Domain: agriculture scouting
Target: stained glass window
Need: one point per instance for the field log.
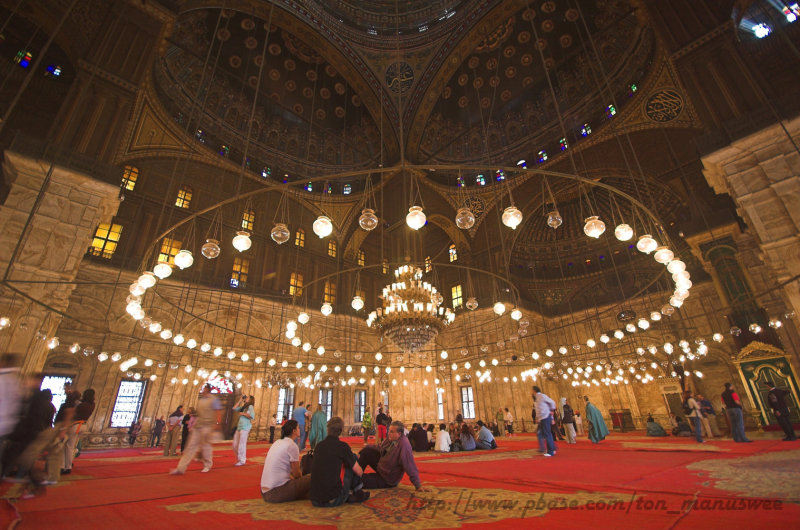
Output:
(480, 181)
(248, 219)
(586, 130)
(562, 144)
(542, 156)
(23, 58)
(457, 297)
(53, 71)
(453, 253)
(347, 190)
(241, 267)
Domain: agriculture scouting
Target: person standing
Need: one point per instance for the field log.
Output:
(319, 427)
(173, 429)
(328, 490)
(208, 412)
(155, 436)
(366, 425)
(544, 416)
(299, 415)
(597, 425)
(692, 410)
(273, 422)
(10, 399)
(509, 423)
(578, 424)
(776, 398)
(500, 418)
(185, 428)
(709, 414)
(704, 419)
(568, 420)
(733, 408)
(380, 426)
(133, 432)
(83, 410)
(282, 480)
(246, 414)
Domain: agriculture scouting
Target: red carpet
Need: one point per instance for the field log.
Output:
(627, 481)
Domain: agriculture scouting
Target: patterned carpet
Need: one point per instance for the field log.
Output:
(628, 481)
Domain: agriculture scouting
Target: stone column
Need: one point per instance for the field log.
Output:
(761, 172)
(48, 221)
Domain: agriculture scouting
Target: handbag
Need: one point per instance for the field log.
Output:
(305, 462)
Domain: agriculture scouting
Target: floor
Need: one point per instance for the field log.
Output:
(628, 480)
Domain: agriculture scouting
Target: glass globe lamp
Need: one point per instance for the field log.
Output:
(512, 217)
(210, 249)
(717, 337)
(4, 322)
(303, 317)
(136, 289)
(623, 232)
(147, 279)
(326, 309)
(241, 241)
(368, 220)
(663, 255)
(643, 323)
(437, 299)
(499, 308)
(416, 218)
(184, 259)
(646, 244)
(755, 328)
(291, 325)
(667, 310)
(357, 303)
(775, 323)
(675, 266)
(279, 233)
(465, 219)
(655, 316)
(162, 270)
(516, 314)
(472, 303)
(594, 227)
(554, 219)
(323, 226)
(296, 342)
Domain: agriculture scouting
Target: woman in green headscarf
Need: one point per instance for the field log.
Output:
(597, 425)
(319, 427)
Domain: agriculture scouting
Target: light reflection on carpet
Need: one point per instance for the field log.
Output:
(435, 508)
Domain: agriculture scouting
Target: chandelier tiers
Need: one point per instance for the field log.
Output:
(412, 314)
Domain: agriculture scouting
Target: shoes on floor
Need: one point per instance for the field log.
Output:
(546, 454)
(239, 464)
(205, 470)
(176, 472)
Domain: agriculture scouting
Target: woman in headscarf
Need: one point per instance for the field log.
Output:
(319, 427)
(597, 425)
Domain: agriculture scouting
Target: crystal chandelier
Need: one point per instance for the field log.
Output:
(411, 315)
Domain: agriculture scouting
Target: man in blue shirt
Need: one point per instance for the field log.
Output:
(299, 415)
(485, 438)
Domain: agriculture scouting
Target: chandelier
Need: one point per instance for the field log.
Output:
(412, 314)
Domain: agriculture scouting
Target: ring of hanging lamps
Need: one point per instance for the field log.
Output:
(512, 217)
(415, 218)
(554, 219)
(368, 220)
(241, 241)
(323, 226)
(183, 259)
(357, 303)
(210, 249)
(646, 244)
(279, 233)
(162, 270)
(465, 219)
(594, 227)
(623, 232)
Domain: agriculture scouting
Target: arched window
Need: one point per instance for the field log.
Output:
(361, 259)
(453, 253)
(129, 176)
(184, 197)
(300, 238)
(332, 248)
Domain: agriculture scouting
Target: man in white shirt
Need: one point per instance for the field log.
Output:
(691, 404)
(282, 479)
(544, 416)
(442, 439)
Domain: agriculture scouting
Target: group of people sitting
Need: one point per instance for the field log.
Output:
(462, 436)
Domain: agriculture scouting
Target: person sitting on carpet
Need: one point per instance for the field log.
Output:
(681, 428)
(282, 480)
(442, 439)
(330, 455)
(467, 438)
(485, 439)
(654, 428)
(429, 434)
(420, 439)
(390, 460)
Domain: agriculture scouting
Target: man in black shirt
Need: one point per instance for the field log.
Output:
(777, 402)
(330, 455)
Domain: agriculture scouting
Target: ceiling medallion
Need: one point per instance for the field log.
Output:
(410, 316)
